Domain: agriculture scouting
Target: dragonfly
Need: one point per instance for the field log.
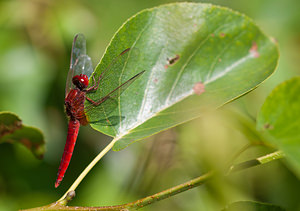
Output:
(77, 88)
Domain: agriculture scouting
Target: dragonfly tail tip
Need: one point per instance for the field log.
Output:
(57, 184)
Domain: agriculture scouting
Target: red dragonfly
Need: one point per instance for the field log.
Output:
(76, 89)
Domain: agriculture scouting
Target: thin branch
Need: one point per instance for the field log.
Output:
(169, 192)
(258, 161)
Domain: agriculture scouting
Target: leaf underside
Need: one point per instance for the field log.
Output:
(197, 57)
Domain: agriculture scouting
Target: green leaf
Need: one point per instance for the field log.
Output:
(13, 131)
(197, 57)
(279, 120)
(252, 206)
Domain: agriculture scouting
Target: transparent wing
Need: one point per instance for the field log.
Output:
(83, 65)
(116, 61)
(112, 71)
(109, 121)
(107, 104)
(78, 49)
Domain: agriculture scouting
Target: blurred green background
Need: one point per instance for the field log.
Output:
(35, 44)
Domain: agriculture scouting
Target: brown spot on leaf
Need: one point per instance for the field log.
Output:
(155, 80)
(222, 34)
(268, 126)
(219, 59)
(39, 151)
(199, 88)
(8, 129)
(26, 143)
(166, 66)
(213, 35)
(253, 50)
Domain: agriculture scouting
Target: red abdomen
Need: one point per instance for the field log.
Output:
(68, 151)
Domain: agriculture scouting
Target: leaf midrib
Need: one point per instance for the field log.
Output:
(213, 79)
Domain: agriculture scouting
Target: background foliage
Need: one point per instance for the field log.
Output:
(35, 44)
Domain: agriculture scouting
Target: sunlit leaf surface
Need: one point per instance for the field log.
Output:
(196, 56)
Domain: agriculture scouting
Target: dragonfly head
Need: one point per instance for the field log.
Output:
(80, 81)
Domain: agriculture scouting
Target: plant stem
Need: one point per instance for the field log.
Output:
(200, 180)
(158, 196)
(64, 199)
(169, 192)
(258, 161)
(273, 156)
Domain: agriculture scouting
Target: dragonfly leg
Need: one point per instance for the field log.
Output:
(92, 88)
(95, 86)
(97, 103)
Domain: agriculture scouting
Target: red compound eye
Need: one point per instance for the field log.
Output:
(80, 81)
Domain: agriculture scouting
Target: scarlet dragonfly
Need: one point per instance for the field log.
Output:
(75, 95)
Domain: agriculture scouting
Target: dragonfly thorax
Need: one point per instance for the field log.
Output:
(80, 81)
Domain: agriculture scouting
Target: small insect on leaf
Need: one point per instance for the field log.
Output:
(173, 60)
